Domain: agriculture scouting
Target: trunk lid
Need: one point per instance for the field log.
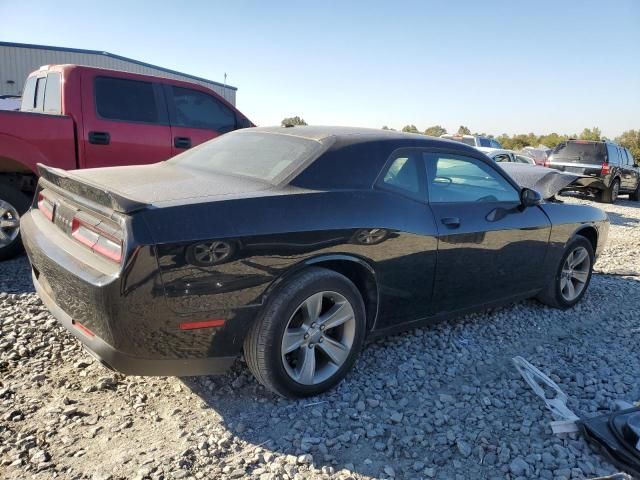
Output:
(131, 188)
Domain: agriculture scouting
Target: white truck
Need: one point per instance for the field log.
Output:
(473, 140)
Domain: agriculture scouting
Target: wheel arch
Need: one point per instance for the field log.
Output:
(590, 233)
(359, 271)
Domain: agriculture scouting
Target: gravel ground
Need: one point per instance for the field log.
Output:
(438, 402)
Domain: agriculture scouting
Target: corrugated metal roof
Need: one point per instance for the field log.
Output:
(117, 57)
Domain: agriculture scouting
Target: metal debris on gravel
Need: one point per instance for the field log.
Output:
(437, 402)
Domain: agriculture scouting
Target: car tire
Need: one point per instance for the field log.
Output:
(635, 195)
(13, 204)
(610, 195)
(306, 370)
(557, 293)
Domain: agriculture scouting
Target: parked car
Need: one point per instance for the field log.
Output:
(320, 237)
(501, 155)
(606, 169)
(80, 117)
(473, 140)
(539, 154)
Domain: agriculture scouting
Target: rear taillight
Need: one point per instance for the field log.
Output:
(46, 206)
(605, 169)
(547, 162)
(98, 239)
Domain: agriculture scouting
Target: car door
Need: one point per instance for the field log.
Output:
(489, 247)
(628, 175)
(406, 259)
(196, 117)
(125, 121)
(635, 170)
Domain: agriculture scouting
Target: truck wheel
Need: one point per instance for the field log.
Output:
(610, 195)
(635, 195)
(13, 204)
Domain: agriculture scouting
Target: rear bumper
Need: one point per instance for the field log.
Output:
(127, 364)
(589, 183)
(121, 317)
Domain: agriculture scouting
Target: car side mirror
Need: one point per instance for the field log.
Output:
(530, 198)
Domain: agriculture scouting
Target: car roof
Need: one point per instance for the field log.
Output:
(354, 135)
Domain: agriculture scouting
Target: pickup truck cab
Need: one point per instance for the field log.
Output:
(74, 117)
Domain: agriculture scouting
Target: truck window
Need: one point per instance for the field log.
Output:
(40, 86)
(52, 102)
(484, 142)
(29, 95)
(196, 109)
(127, 100)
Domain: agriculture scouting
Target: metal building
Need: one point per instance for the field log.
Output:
(18, 60)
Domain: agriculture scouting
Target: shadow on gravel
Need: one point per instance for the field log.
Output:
(622, 220)
(15, 276)
(446, 399)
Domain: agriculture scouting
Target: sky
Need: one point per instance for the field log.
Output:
(496, 66)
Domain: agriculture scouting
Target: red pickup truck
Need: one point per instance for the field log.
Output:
(82, 117)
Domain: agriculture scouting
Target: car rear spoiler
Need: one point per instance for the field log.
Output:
(81, 188)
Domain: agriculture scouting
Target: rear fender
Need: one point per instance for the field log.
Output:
(371, 298)
(19, 156)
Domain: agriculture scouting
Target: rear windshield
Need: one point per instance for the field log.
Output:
(580, 152)
(270, 157)
(468, 140)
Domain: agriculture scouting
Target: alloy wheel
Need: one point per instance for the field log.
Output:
(615, 190)
(9, 223)
(318, 338)
(371, 236)
(211, 253)
(575, 273)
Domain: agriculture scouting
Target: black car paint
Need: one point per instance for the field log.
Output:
(421, 271)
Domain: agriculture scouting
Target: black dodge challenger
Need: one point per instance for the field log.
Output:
(293, 245)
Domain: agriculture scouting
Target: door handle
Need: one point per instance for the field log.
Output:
(451, 222)
(182, 142)
(99, 138)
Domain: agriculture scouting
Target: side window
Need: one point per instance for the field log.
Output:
(403, 175)
(52, 102)
(613, 154)
(29, 95)
(127, 100)
(199, 110)
(632, 161)
(502, 157)
(484, 142)
(40, 86)
(495, 144)
(458, 179)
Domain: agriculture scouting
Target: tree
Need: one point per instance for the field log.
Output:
(435, 131)
(591, 134)
(462, 130)
(631, 140)
(552, 139)
(410, 129)
(384, 127)
(293, 121)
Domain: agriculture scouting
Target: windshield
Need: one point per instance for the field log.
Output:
(580, 152)
(261, 155)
